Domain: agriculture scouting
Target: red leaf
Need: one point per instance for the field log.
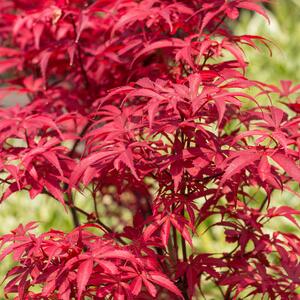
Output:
(284, 211)
(264, 168)
(44, 60)
(180, 224)
(83, 23)
(136, 285)
(8, 64)
(288, 165)
(165, 282)
(176, 172)
(241, 160)
(83, 275)
(121, 254)
(150, 287)
(165, 232)
(127, 158)
(173, 43)
(254, 7)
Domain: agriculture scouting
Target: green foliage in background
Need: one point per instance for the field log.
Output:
(284, 34)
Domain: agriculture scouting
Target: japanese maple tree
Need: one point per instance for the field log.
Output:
(145, 105)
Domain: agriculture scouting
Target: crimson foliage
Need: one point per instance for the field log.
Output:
(146, 103)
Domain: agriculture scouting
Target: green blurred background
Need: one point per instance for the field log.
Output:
(284, 32)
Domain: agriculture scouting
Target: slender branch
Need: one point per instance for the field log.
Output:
(105, 227)
(263, 203)
(175, 250)
(218, 24)
(81, 134)
(200, 288)
(83, 72)
(80, 59)
(183, 242)
(183, 245)
(70, 203)
(228, 293)
(95, 204)
(184, 279)
(69, 199)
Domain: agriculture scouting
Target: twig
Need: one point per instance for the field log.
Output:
(105, 227)
(69, 199)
